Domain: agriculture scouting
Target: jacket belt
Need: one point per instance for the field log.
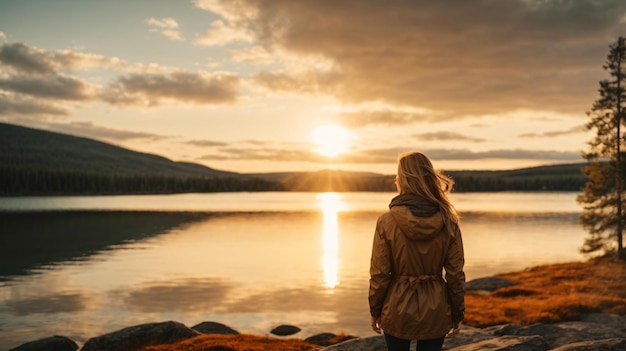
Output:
(414, 280)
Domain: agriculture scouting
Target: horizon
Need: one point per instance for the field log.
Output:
(266, 87)
(316, 170)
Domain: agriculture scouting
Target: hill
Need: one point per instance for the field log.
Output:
(566, 177)
(29, 148)
(38, 162)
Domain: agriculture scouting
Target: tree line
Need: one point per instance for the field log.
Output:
(471, 183)
(24, 181)
(15, 181)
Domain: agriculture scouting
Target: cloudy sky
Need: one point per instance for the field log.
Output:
(288, 85)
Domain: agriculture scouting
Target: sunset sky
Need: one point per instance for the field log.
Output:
(289, 85)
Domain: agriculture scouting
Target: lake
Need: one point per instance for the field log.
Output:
(82, 266)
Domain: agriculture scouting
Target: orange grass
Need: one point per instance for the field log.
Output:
(234, 343)
(552, 293)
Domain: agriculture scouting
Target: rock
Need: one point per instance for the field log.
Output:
(132, 338)
(612, 320)
(596, 345)
(570, 332)
(214, 328)
(507, 343)
(504, 329)
(373, 343)
(327, 339)
(322, 339)
(53, 343)
(467, 335)
(488, 284)
(284, 330)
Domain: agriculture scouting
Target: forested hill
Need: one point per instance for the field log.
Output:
(34, 161)
(567, 177)
(37, 162)
(38, 149)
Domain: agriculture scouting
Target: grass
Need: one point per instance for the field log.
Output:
(552, 293)
(234, 343)
(542, 294)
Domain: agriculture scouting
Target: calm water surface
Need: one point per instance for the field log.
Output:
(84, 266)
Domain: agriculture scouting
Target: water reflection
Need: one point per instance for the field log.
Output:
(31, 240)
(330, 204)
(305, 263)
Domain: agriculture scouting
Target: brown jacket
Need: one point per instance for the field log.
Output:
(407, 291)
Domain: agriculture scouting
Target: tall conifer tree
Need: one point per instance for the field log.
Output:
(603, 195)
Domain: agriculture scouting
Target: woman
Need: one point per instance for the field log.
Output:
(414, 242)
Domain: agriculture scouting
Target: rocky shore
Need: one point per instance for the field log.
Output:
(596, 332)
(591, 332)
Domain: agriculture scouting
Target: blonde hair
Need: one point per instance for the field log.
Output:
(416, 175)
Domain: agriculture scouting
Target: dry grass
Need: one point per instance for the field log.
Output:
(543, 294)
(235, 343)
(552, 293)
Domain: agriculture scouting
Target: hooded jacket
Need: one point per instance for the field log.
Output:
(407, 291)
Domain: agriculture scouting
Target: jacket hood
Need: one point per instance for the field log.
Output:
(417, 218)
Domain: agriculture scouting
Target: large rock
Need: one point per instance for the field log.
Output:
(132, 338)
(322, 339)
(214, 328)
(568, 332)
(284, 330)
(507, 343)
(488, 284)
(327, 339)
(612, 320)
(467, 335)
(596, 345)
(53, 343)
(567, 336)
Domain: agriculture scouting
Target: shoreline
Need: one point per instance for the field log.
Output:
(554, 294)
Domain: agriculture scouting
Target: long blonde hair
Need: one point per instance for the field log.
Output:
(416, 175)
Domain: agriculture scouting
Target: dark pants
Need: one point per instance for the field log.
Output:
(397, 344)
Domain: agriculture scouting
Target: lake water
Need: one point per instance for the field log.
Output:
(85, 266)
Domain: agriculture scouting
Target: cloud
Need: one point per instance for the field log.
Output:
(264, 153)
(154, 89)
(302, 152)
(89, 130)
(446, 136)
(221, 34)
(311, 82)
(50, 304)
(471, 57)
(255, 55)
(50, 86)
(12, 105)
(206, 143)
(184, 295)
(551, 134)
(25, 59)
(167, 26)
(32, 72)
(388, 116)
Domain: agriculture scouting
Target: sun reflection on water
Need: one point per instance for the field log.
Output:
(330, 204)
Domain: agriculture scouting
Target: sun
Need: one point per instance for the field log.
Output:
(331, 140)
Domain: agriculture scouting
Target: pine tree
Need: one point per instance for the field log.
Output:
(603, 195)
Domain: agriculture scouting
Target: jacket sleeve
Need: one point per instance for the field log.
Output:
(455, 276)
(380, 271)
